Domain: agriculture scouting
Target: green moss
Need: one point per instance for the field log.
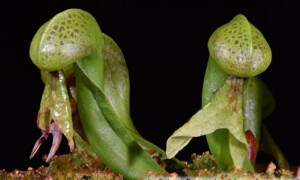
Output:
(79, 165)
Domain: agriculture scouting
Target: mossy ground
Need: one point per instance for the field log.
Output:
(79, 165)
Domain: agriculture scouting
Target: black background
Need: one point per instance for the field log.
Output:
(164, 43)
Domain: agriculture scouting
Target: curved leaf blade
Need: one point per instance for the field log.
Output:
(252, 105)
(108, 137)
(61, 110)
(116, 81)
(117, 88)
(218, 141)
(223, 112)
(55, 105)
(44, 115)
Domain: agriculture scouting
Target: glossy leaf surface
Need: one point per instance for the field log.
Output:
(103, 125)
(61, 112)
(116, 82)
(252, 105)
(55, 105)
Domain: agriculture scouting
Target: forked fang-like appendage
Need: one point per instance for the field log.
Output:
(57, 137)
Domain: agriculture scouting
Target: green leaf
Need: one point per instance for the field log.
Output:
(218, 141)
(82, 145)
(44, 116)
(223, 112)
(116, 82)
(61, 111)
(252, 105)
(116, 90)
(108, 137)
(213, 80)
(55, 105)
(117, 87)
(252, 109)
